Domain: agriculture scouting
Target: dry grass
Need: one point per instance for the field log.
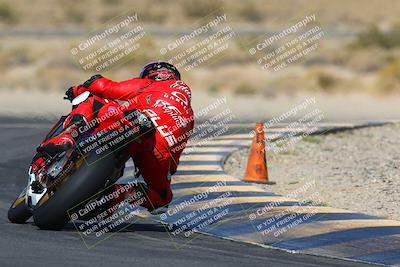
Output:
(389, 79)
(8, 14)
(368, 63)
(272, 13)
(50, 66)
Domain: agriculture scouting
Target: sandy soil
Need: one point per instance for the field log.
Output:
(357, 170)
(343, 108)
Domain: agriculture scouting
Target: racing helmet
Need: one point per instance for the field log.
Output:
(160, 71)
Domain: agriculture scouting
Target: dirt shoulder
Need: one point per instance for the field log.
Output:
(357, 170)
(335, 108)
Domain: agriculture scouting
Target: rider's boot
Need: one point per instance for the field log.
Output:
(111, 199)
(58, 144)
(136, 195)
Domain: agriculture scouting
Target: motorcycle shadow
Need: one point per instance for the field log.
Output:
(126, 227)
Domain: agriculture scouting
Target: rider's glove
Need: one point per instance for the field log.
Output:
(71, 93)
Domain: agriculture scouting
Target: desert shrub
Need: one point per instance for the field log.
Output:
(250, 12)
(144, 54)
(287, 84)
(7, 14)
(389, 78)
(154, 15)
(214, 88)
(109, 15)
(323, 80)
(245, 89)
(373, 36)
(57, 78)
(369, 59)
(199, 9)
(74, 14)
(17, 56)
(111, 2)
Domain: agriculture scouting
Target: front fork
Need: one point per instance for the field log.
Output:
(32, 198)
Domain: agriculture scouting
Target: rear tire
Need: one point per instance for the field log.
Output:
(80, 186)
(20, 213)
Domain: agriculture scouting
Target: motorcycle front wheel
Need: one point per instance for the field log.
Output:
(19, 212)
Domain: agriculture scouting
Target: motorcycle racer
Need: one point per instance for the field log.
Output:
(159, 95)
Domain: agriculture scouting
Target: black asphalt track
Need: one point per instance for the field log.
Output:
(144, 243)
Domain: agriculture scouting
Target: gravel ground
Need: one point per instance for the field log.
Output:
(357, 170)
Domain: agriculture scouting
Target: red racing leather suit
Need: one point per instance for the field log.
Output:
(167, 104)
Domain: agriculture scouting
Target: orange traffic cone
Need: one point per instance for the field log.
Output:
(256, 171)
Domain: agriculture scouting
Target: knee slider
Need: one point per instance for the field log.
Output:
(138, 119)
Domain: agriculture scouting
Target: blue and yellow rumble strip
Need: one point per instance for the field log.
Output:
(208, 201)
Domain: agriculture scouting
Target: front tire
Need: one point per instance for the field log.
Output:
(19, 212)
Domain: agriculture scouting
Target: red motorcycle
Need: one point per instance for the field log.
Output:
(70, 180)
